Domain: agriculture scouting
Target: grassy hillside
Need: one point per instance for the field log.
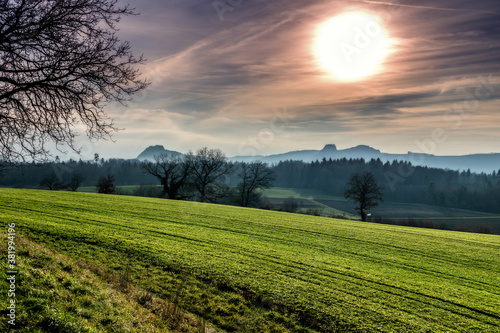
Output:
(57, 293)
(253, 270)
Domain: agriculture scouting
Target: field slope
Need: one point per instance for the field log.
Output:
(254, 270)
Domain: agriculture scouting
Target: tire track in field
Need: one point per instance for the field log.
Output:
(354, 239)
(369, 281)
(406, 325)
(279, 262)
(373, 258)
(265, 258)
(194, 240)
(396, 263)
(314, 269)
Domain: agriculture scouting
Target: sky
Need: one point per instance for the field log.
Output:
(247, 77)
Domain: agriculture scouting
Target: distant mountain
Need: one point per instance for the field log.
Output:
(152, 151)
(475, 162)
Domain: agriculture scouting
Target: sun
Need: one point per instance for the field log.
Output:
(352, 45)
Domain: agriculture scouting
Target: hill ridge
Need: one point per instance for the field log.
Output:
(480, 162)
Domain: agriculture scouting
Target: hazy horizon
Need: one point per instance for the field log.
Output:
(134, 154)
(246, 78)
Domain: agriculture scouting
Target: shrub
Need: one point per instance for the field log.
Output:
(106, 185)
(484, 229)
(267, 204)
(314, 211)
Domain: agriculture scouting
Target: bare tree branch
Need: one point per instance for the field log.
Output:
(60, 64)
(254, 176)
(210, 168)
(174, 173)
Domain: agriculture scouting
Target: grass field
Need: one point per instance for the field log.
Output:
(327, 205)
(281, 192)
(262, 271)
(307, 199)
(62, 294)
(276, 196)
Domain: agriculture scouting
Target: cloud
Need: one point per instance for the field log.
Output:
(451, 9)
(218, 82)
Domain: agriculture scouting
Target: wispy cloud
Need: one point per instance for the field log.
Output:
(405, 5)
(218, 82)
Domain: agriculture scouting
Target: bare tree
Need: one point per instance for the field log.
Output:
(75, 182)
(364, 190)
(60, 64)
(210, 168)
(173, 172)
(51, 182)
(254, 176)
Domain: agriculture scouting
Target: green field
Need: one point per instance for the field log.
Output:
(307, 199)
(281, 192)
(315, 202)
(262, 271)
(123, 188)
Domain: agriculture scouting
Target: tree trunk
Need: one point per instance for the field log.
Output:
(363, 214)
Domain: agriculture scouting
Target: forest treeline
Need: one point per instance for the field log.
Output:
(402, 182)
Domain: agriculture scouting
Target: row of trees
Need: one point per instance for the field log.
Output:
(202, 176)
(54, 183)
(449, 188)
(206, 176)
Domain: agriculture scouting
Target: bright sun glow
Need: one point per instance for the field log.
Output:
(352, 46)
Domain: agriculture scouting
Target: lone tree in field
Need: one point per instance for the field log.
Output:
(363, 190)
(60, 64)
(173, 172)
(254, 176)
(210, 168)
